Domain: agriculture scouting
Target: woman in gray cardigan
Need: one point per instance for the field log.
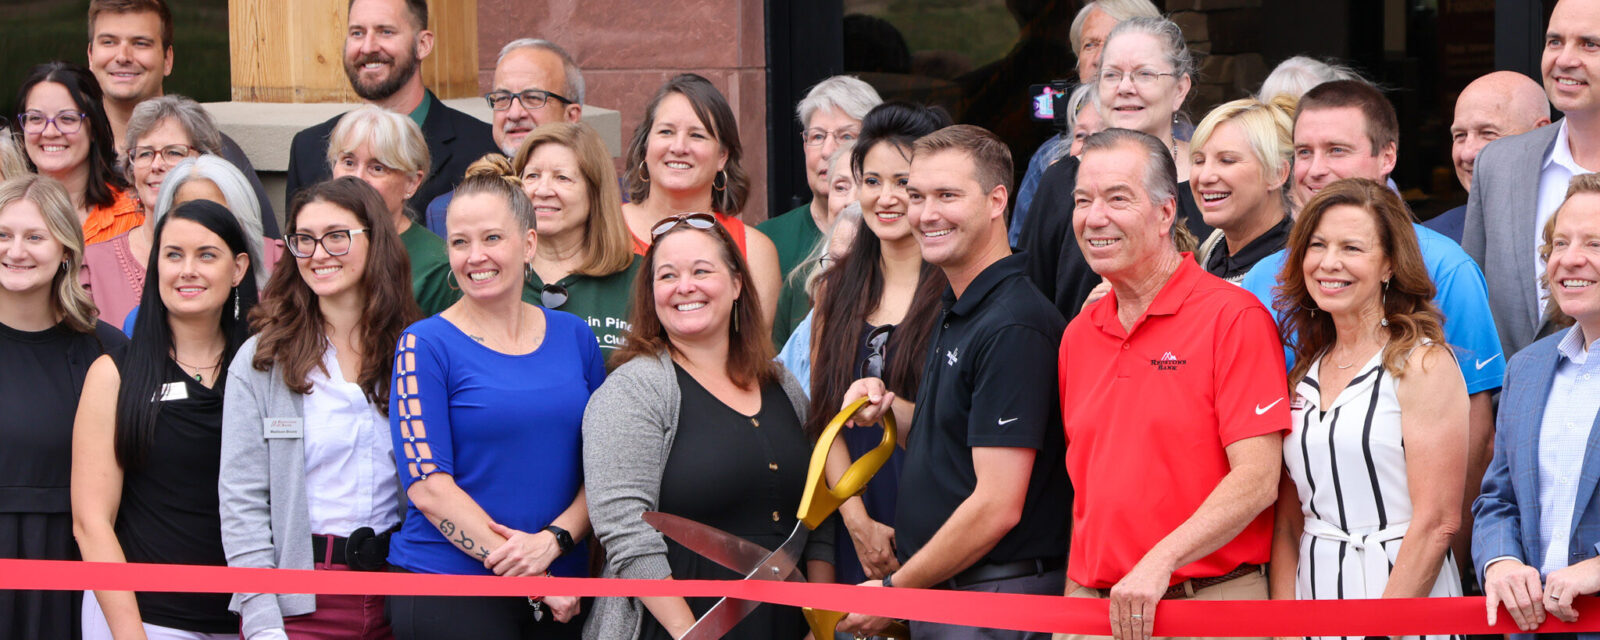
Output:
(308, 477)
(697, 421)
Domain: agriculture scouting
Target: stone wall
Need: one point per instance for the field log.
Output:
(1226, 37)
(627, 49)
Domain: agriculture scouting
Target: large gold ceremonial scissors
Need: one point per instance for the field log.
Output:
(756, 562)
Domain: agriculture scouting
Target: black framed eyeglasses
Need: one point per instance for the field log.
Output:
(701, 221)
(172, 153)
(531, 99)
(67, 122)
(877, 348)
(336, 243)
(552, 296)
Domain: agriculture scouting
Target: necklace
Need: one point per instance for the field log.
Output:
(186, 367)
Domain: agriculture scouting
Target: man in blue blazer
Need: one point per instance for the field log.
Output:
(1536, 531)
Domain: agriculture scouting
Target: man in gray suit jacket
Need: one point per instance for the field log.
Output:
(1519, 181)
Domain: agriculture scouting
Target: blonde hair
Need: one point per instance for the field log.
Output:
(13, 164)
(1268, 127)
(607, 247)
(1580, 184)
(394, 139)
(69, 297)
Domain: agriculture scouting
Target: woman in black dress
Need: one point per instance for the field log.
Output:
(48, 338)
(144, 468)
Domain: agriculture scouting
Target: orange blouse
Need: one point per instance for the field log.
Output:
(734, 226)
(105, 223)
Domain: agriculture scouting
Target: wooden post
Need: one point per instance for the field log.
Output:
(293, 50)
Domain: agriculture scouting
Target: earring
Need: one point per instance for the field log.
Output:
(1384, 303)
(235, 303)
(450, 281)
(644, 173)
(527, 272)
(720, 182)
(735, 315)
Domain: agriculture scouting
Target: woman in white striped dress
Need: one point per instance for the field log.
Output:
(1376, 461)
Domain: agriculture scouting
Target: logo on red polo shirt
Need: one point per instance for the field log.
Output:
(1168, 362)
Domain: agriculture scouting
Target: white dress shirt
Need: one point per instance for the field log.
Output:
(1569, 414)
(350, 472)
(1558, 170)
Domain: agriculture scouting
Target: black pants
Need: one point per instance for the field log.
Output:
(449, 617)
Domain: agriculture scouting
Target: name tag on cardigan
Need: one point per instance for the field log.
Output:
(283, 428)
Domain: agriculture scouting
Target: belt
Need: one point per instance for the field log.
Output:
(1370, 554)
(1187, 588)
(990, 572)
(364, 550)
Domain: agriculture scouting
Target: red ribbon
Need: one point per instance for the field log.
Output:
(1049, 614)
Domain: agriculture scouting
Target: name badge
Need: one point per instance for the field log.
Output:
(283, 428)
(174, 391)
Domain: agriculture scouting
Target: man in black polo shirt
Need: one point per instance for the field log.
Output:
(984, 499)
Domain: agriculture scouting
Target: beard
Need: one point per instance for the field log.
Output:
(399, 74)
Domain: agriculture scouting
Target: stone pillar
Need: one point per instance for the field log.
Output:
(627, 49)
(293, 50)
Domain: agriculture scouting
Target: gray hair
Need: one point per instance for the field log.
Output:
(1160, 173)
(847, 95)
(849, 218)
(1168, 33)
(1297, 75)
(1118, 10)
(235, 188)
(394, 139)
(1083, 96)
(569, 67)
(193, 118)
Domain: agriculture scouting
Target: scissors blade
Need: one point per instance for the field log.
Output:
(731, 551)
(727, 612)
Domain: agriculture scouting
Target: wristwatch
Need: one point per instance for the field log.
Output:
(563, 538)
(886, 577)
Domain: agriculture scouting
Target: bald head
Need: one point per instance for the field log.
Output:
(1503, 103)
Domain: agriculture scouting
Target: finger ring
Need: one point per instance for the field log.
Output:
(1137, 616)
(1552, 596)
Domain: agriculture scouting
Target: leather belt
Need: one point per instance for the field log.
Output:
(990, 572)
(329, 549)
(364, 550)
(1187, 588)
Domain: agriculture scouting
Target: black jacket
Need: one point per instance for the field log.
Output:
(455, 140)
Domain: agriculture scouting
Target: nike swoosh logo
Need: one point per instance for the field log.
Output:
(1006, 422)
(1261, 410)
(1484, 363)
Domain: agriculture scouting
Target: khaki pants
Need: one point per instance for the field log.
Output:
(1249, 587)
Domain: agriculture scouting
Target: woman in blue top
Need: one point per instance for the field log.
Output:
(486, 414)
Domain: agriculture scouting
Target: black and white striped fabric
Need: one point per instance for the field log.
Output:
(1348, 464)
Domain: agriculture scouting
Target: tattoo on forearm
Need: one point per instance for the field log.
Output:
(483, 553)
(465, 542)
(447, 528)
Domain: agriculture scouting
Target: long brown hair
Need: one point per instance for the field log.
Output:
(607, 247)
(289, 318)
(1407, 301)
(750, 350)
(854, 285)
(717, 116)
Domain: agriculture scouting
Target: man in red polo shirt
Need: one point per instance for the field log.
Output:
(1174, 403)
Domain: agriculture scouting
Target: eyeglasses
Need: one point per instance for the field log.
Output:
(67, 122)
(336, 243)
(701, 221)
(815, 137)
(877, 343)
(172, 153)
(552, 296)
(531, 99)
(1141, 77)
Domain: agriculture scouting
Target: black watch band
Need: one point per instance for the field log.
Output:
(563, 538)
(886, 578)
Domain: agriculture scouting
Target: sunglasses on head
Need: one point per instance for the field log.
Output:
(701, 221)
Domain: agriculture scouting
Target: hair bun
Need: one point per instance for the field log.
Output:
(493, 165)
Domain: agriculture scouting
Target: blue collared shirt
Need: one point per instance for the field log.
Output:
(1569, 413)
